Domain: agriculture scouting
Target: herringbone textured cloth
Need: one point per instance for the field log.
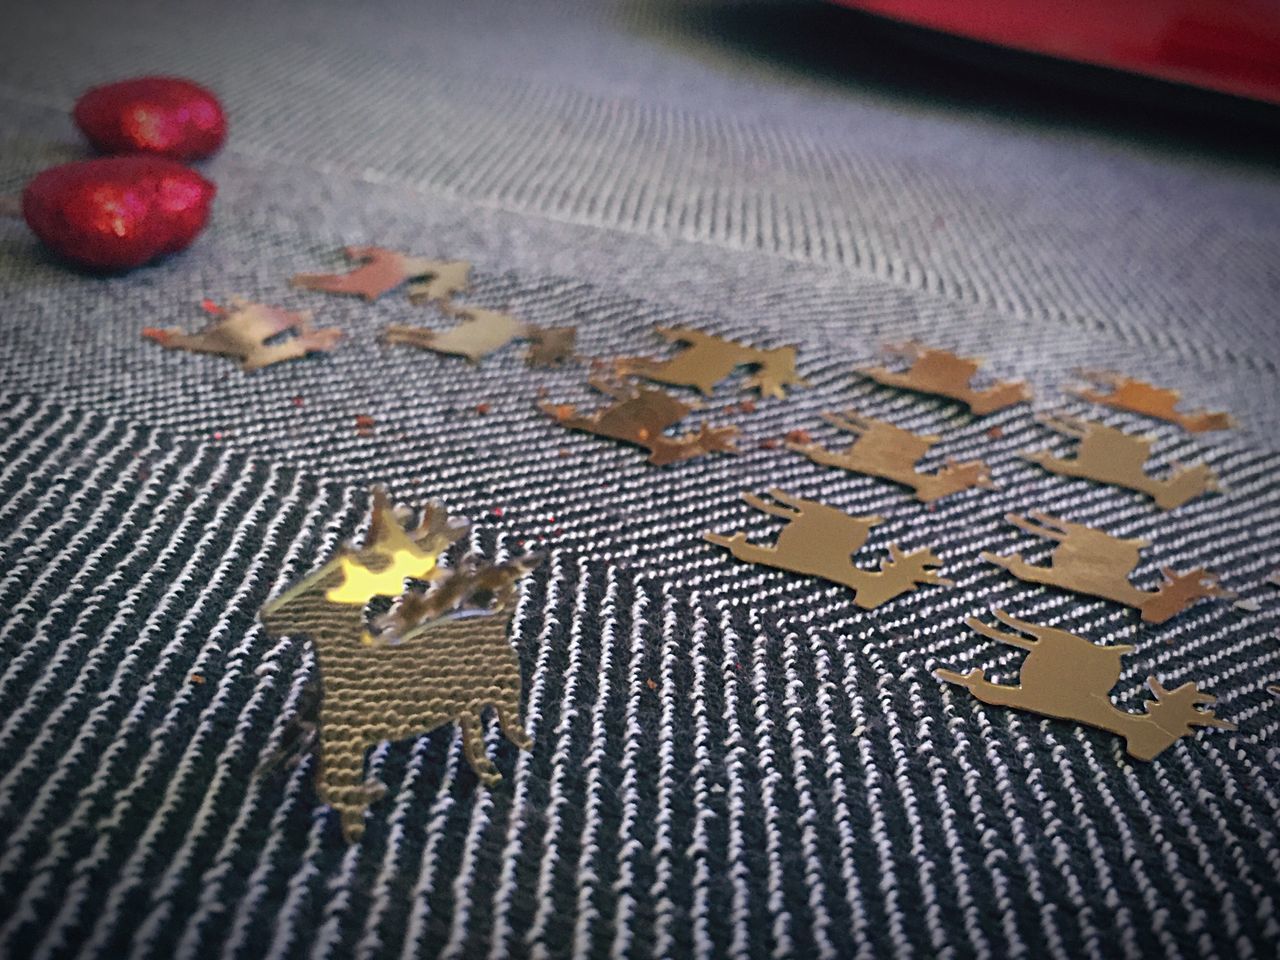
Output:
(728, 760)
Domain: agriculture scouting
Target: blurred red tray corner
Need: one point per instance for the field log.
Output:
(1229, 46)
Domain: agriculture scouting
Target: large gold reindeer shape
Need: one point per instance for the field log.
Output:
(438, 657)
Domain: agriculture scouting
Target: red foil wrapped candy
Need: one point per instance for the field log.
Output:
(116, 213)
(158, 115)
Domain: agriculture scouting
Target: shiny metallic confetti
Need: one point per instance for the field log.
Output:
(441, 282)
(439, 656)
(381, 271)
(1138, 396)
(890, 452)
(477, 334)
(1111, 456)
(1092, 562)
(253, 334)
(820, 540)
(1067, 677)
(642, 415)
(474, 587)
(947, 375)
(707, 359)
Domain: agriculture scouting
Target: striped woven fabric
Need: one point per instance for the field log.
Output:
(728, 760)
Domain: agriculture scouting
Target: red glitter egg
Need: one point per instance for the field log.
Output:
(116, 213)
(167, 116)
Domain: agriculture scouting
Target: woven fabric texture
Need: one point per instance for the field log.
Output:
(727, 760)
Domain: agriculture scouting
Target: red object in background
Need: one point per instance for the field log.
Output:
(166, 116)
(115, 213)
(1229, 46)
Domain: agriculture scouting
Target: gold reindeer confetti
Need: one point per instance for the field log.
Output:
(380, 271)
(1068, 678)
(890, 452)
(642, 415)
(441, 282)
(248, 332)
(1138, 396)
(947, 375)
(1092, 562)
(438, 657)
(1108, 455)
(707, 359)
(480, 333)
(820, 541)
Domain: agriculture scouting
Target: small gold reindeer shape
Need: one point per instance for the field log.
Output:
(478, 333)
(888, 451)
(820, 540)
(1138, 396)
(252, 334)
(1108, 455)
(1093, 562)
(943, 373)
(438, 657)
(381, 270)
(641, 415)
(1068, 678)
(481, 332)
(707, 359)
